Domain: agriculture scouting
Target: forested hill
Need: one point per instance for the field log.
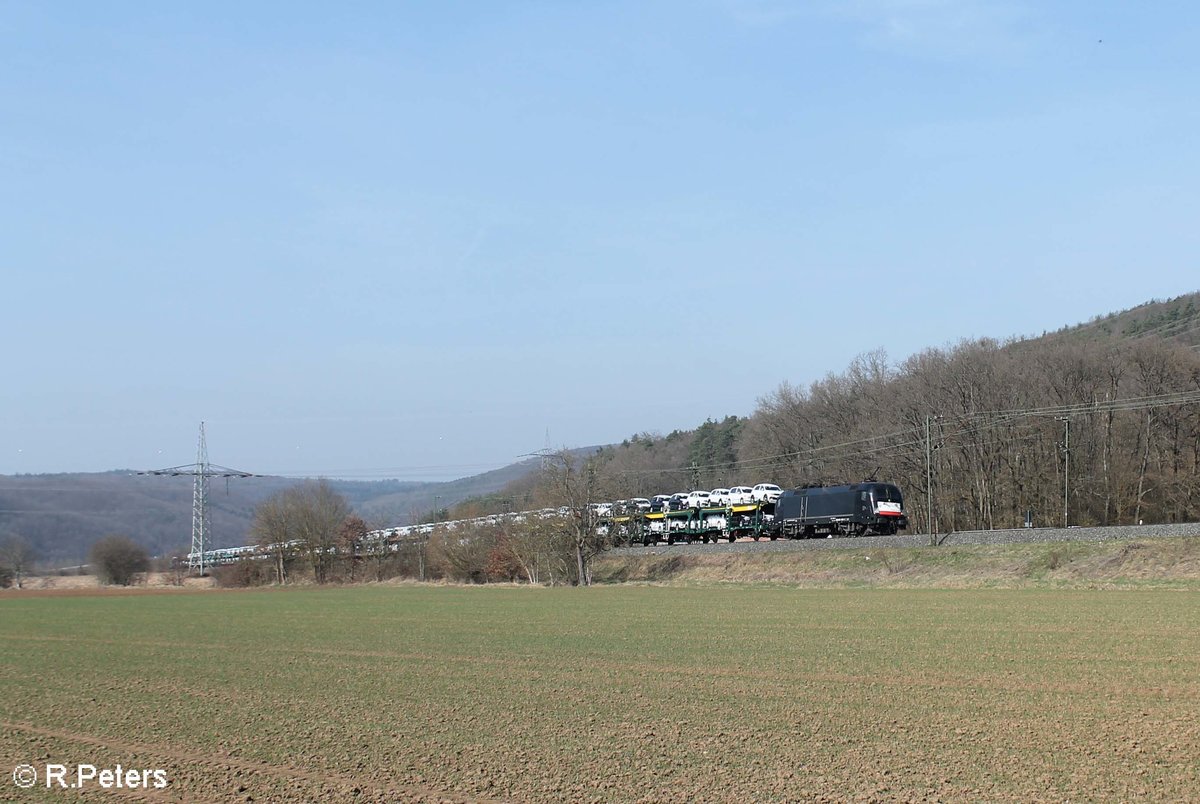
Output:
(62, 515)
(1175, 320)
(1094, 424)
(1124, 388)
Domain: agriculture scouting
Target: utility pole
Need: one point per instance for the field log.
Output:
(1066, 449)
(929, 476)
(586, 530)
(200, 471)
(201, 525)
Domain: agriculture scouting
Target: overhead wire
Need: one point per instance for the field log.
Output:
(972, 423)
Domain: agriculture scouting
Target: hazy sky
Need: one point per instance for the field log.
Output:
(405, 239)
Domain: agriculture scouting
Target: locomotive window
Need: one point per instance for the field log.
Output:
(887, 494)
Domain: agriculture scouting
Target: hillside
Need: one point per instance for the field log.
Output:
(995, 413)
(1176, 320)
(1096, 424)
(62, 515)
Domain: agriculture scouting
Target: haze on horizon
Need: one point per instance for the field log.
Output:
(407, 241)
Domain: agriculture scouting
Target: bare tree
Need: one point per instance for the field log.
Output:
(350, 536)
(542, 547)
(572, 483)
(318, 512)
(16, 556)
(272, 534)
(304, 519)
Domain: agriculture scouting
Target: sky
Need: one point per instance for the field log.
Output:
(418, 240)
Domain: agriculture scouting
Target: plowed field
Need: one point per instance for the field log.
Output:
(609, 694)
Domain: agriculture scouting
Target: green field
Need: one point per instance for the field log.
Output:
(613, 693)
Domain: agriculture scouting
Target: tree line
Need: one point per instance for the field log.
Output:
(1080, 428)
(979, 435)
(1066, 429)
(309, 533)
(115, 560)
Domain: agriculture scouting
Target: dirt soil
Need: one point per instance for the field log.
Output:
(74, 585)
(620, 693)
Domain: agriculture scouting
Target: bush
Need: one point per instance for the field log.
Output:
(244, 572)
(119, 560)
(461, 556)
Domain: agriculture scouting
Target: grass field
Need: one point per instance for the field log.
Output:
(615, 693)
(1168, 563)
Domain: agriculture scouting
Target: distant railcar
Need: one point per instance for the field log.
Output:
(858, 509)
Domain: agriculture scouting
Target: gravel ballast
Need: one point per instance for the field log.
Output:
(1013, 536)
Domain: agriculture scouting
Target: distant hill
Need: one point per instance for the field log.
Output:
(403, 505)
(62, 515)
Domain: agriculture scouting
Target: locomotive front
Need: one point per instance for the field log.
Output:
(887, 508)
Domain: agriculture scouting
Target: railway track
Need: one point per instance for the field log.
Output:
(1012, 536)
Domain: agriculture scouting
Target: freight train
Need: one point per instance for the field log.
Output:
(857, 509)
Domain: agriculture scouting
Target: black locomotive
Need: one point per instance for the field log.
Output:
(859, 509)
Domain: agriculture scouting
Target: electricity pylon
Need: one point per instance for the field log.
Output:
(200, 472)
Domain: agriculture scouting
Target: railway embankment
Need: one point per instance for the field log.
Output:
(1133, 556)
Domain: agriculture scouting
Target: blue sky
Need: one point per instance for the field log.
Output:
(407, 239)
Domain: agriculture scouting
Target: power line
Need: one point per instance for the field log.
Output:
(200, 471)
(382, 471)
(975, 422)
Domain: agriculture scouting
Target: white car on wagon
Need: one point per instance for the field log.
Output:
(766, 493)
(741, 495)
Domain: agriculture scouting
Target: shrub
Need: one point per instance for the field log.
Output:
(245, 572)
(119, 560)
